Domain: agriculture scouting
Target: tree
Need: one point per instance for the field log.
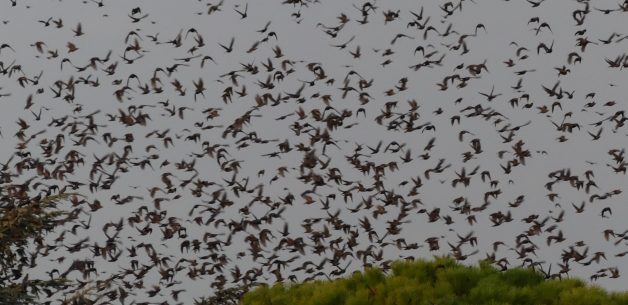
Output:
(442, 281)
(25, 221)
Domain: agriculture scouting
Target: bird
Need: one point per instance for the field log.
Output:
(596, 136)
(579, 209)
(71, 47)
(606, 209)
(243, 15)
(78, 31)
(230, 48)
(342, 46)
(137, 19)
(490, 96)
(545, 48)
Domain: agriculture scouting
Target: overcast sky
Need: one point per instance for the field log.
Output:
(304, 35)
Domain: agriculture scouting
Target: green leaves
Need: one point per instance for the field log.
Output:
(439, 282)
(23, 221)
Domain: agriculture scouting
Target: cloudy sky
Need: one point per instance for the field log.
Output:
(311, 37)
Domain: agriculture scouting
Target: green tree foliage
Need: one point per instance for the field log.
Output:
(442, 281)
(24, 222)
(227, 296)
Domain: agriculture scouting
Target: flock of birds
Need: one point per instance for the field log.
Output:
(218, 162)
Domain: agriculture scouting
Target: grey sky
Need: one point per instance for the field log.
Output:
(304, 42)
